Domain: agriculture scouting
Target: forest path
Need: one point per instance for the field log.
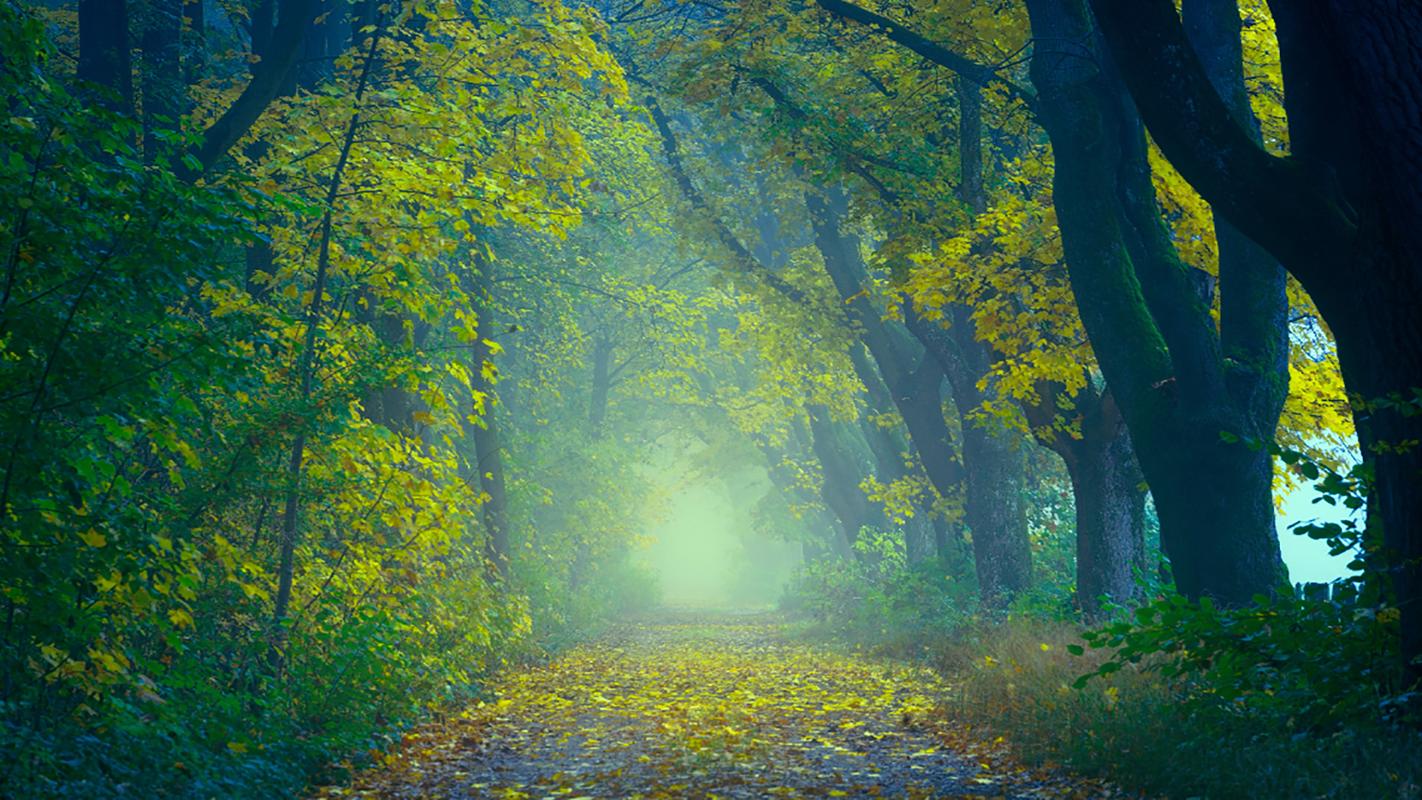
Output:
(710, 707)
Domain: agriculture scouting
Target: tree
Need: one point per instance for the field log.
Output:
(1178, 385)
(1339, 212)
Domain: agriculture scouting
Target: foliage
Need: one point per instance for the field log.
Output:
(341, 433)
(155, 393)
(1311, 665)
(1141, 729)
(877, 599)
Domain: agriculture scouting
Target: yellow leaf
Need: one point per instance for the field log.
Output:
(93, 538)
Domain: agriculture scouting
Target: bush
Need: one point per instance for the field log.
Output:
(878, 599)
(1161, 734)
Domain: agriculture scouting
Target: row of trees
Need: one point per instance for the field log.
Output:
(311, 316)
(335, 332)
(1113, 265)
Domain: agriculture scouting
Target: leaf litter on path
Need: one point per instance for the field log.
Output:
(726, 708)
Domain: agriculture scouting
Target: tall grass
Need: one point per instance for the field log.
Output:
(1133, 727)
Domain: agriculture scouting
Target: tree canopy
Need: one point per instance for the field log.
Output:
(351, 352)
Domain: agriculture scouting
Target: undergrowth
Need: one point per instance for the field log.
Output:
(1162, 734)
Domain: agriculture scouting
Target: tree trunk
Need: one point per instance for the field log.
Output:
(993, 459)
(601, 385)
(1340, 212)
(842, 472)
(1110, 509)
(1386, 370)
(830, 543)
(1379, 45)
(488, 452)
(890, 449)
(307, 367)
(103, 50)
(995, 516)
(1153, 341)
(914, 380)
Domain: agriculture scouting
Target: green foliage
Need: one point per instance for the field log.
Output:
(152, 397)
(1308, 665)
(878, 599)
(1144, 731)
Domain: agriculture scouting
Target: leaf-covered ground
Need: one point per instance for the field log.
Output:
(724, 708)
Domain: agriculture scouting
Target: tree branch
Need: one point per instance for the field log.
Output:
(267, 77)
(1276, 201)
(747, 262)
(980, 74)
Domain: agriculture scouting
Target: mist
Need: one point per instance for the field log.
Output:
(704, 548)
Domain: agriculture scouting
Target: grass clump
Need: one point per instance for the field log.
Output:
(1169, 732)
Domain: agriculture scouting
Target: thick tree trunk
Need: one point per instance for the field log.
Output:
(1378, 365)
(1155, 349)
(1340, 212)
(1110, 513)
(1379, 44)
(993, 463)
(103, 50)
(995, 516)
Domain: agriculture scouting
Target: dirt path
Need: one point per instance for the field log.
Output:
(725, 708)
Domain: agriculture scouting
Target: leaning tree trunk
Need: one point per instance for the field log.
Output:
(841, 472)
(1152, 334)
(890, 450)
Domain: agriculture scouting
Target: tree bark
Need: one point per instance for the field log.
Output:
(1153, 339)
(993, 463)
(1110, 505)
(832, 543)
(890, 448)
(992, 459)
(488, 450)
(103, 51)
(277, 57)
(992, 467)
(1340, 213)
(914, 379)
(842, 470)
